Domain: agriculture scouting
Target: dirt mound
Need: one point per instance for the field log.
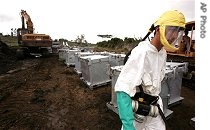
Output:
(7, 57)
(3, 47)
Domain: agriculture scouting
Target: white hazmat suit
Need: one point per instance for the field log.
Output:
(145, 66)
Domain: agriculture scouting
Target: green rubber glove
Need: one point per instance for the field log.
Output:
(125, 110)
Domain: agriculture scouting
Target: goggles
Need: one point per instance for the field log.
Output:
(171, 36)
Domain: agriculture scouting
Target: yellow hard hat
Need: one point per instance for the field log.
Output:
(171, 24)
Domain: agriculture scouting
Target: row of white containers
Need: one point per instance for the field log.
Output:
(93, 67)
(170, 88)
(99, 68)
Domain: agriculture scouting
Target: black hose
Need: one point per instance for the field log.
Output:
(152, 28)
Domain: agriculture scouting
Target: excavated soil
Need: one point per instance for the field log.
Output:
(45, 94)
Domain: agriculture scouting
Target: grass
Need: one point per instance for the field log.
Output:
(9, 40)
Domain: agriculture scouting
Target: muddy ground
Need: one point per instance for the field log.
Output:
(45, 94)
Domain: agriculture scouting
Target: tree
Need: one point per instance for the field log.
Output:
(81, 39)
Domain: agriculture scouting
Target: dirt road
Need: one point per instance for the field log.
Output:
(43, 93)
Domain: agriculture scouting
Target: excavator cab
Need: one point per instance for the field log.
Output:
(20, 32)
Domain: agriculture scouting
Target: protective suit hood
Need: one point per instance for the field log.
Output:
(171, 24)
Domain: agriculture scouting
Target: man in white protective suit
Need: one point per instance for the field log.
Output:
(143, 73)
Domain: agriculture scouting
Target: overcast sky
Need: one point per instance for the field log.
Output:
(69, 18)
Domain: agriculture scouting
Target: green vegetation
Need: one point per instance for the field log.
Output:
(117, 45)
(9, 40)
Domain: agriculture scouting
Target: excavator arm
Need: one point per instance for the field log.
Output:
(29, 23)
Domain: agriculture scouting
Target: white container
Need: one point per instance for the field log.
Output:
(62, 53)
(112, 105)
(116, 59)
(70, 57)
(115, 72)
(164, 94)
(55, 47)
(77, 56)
(172, 83)
(95, 70)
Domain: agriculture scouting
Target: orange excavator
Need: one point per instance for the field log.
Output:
(29, 42)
